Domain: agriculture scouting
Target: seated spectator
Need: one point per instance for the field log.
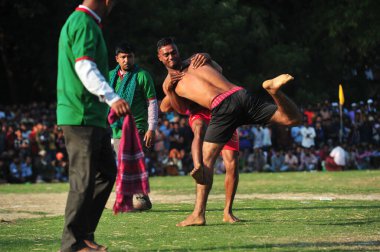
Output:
(20, 171)
(308, 161)
(337, 159)
(219, 167)
(245, 144)
(291, 162)
(176, 137)
(187, 162)
(351, 163)
(363, 157)
(159, 145)
(166, 129)
(173, 163)
(250, 162)
(44, 168)
(161, 160)
(259, 160)
(277, 161)
(375, 158)
(60, 168)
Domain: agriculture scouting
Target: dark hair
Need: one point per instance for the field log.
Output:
(124, 47)
(164, 42)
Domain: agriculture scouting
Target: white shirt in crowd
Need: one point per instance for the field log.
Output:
(257, 137)
(308, 135)
(267, 141)
(339, 155)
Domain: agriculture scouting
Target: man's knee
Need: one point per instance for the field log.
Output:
(210, 151)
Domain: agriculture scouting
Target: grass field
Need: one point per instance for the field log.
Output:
(268, 225)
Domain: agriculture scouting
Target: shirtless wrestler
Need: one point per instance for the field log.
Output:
(199, 118)
(230, 105)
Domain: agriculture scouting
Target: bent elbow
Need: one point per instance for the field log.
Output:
(296, 120)
(165, 109)
(287, 119)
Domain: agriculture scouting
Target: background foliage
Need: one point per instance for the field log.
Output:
(320, 42)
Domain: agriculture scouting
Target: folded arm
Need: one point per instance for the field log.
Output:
(177, 103)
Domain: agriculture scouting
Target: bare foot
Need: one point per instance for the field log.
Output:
(94, 245)
(273, 85)
(192, 220)
(197, 174)
(229, 217)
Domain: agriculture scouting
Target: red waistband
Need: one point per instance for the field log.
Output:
(220, 97)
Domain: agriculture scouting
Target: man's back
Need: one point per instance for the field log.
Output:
(202, 85)
(80, 38)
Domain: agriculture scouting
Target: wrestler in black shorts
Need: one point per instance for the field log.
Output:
(240, 108)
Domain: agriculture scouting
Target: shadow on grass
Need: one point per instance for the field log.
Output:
(6, 211)
(268, 209)
(348, 223)
(296, 246)
(305, 208)
(53, 245)
(22, 244)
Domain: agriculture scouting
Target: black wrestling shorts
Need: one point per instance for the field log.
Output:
(236, 110)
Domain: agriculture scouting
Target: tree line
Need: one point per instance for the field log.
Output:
(320, 42)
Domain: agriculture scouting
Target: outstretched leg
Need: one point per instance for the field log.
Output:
(231, 160)
(273, 85)
(287, 112)
(210, 152)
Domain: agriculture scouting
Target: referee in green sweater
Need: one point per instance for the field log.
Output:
(83, 98)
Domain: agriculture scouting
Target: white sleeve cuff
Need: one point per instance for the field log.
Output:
(152, 114)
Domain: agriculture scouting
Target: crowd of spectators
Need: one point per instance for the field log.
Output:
(32, 147)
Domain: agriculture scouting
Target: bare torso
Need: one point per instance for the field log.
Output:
(202, 84)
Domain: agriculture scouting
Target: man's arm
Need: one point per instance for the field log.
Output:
(287, 112)
(96, 84)
(201, 59)
(173, 101)
(165, 106)
(177, 103)
(150, 95)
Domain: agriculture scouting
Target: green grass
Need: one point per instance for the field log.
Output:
(268, 225)
(349, 182)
